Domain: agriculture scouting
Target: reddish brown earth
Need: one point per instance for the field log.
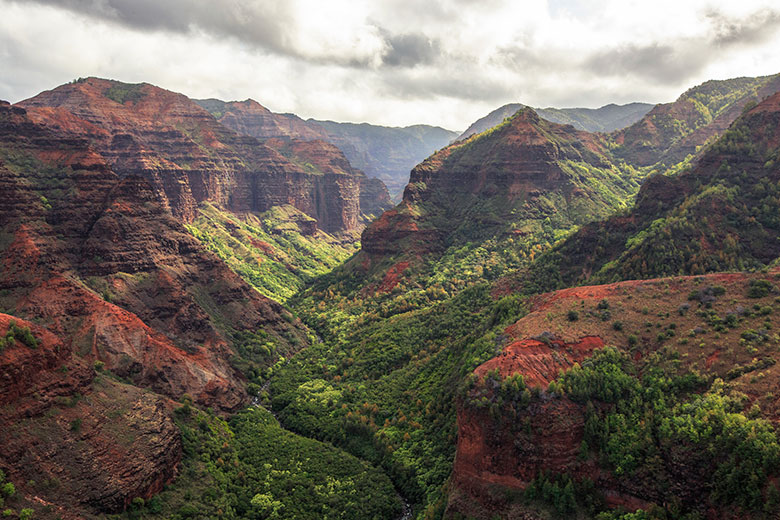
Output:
(251, 118)
(188, 157)
(75, 440)
(497, 457)
(390, 280)
(96, 258)
(512, 166)
(539, 362)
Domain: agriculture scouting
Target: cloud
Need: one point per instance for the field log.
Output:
(667, 63)
(395, 62)
(412, 49)
(686, 57)
(755, 28)
(327, 32)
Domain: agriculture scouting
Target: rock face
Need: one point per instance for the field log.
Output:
(382, 152)
(523, 172)
(251, 118)
(188, 157)
(327, 159)
(503, 445)
(544, 437)
(672, 131)
(99, 261)
(81, 442)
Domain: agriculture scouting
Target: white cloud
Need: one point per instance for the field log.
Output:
(395, 62)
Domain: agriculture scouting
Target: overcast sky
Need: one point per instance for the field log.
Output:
(394, 62)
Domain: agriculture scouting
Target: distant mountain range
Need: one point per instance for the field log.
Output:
(605, 119)
(388, 153)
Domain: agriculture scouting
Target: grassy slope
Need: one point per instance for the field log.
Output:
(720, 215)
(658, 141)
(268, 250)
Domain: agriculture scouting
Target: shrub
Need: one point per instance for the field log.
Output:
(9, 489)
(759, 288)
(573, 315)
(617, 325)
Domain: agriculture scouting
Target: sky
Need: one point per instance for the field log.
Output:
(391, 62)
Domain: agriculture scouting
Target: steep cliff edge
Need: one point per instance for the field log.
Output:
(188, 156)
(518, 181)
(75, 440)
(96, 259)
(555, 406)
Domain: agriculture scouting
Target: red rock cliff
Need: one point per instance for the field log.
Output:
(188, 157)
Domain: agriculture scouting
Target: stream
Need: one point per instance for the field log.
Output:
(406, 513)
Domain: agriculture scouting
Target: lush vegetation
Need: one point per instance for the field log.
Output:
(21, 334)
(658, 138)
(386, 391)
(660, 432)
(124, 92)
(249, 467)
(656, 419)
(721, 216)
(680, 440)
(270, 251)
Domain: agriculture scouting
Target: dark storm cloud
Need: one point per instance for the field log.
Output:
(408, 50)
(666, 63)
(754, 29)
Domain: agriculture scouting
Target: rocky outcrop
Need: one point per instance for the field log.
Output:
(358, 198)
(75, 440)
(188, 157)
(382, 152)
(97, 260)
(523, 172)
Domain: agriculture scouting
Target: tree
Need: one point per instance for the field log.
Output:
(9, 489)
(265, 506)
